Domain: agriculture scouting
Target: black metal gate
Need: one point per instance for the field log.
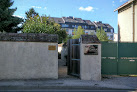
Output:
(73, 60)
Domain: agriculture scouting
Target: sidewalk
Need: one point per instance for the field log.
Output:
(69, 82)
(72, 83)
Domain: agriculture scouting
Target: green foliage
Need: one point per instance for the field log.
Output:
(8, 22)
(102, 35)
(31, 13)
(44, 25)
(78, 32)
(67, 38)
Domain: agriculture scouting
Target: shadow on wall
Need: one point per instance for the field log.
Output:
(119, 33)
(59, 55)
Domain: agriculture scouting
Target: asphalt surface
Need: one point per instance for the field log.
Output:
(66, 90)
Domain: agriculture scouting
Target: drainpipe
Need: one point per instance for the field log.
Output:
(133, 14)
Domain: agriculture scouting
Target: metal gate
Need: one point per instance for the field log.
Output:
(119, 58)
(73, 60)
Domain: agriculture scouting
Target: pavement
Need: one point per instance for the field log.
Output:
(69, 82)
(126, 83)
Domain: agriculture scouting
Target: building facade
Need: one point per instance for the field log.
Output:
(127, 21)
(115, 39)
(107, 28)
(69, 23)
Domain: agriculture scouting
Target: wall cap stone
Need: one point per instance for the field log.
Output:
(29, 37)
(87, 39)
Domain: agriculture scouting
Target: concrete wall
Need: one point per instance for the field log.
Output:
(28, 60)
(90, 65)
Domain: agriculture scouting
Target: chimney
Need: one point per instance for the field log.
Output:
(100, 21)
(71, 17)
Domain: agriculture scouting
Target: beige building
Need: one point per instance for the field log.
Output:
(127, 21)
(115, 37)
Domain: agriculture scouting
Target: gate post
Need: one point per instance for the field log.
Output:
(90, 58)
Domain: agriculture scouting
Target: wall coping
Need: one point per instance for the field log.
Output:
(89, 39)
(29, 37)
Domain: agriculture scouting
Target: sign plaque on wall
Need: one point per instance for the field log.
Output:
(91, 50)
(51, 47)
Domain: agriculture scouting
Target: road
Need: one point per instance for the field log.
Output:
(66, 90)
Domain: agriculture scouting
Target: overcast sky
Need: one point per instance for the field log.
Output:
(94, 10)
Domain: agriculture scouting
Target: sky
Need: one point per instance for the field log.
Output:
(94, 10)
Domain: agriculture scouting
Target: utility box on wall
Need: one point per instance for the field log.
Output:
(90, 58)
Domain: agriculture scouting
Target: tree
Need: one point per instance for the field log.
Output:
(31, 13)
(102, 35)
(8, 22)
(67, 38)
(44, 25)
(78, 32)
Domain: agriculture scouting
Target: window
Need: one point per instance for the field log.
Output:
(111, 36)
(105, 29)
(92, 33)
(73, 25)
(65, 25)
(92, 26)
(86, 32)
(86, 27)
(67, 31)
(111, 30)
(76, 26)
(72, 32)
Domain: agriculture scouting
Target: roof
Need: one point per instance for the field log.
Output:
(87, 39)
(57, 20)
(108, 26)
(88, 22)
(100, 24)
(128, 2)
(72, 19)
(80, 21)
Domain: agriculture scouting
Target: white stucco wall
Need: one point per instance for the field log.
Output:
(90, 65)
(125, 22)
(115, 37)
(135, 8)
(28, 60)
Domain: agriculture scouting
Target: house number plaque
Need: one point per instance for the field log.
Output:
(51, 47)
